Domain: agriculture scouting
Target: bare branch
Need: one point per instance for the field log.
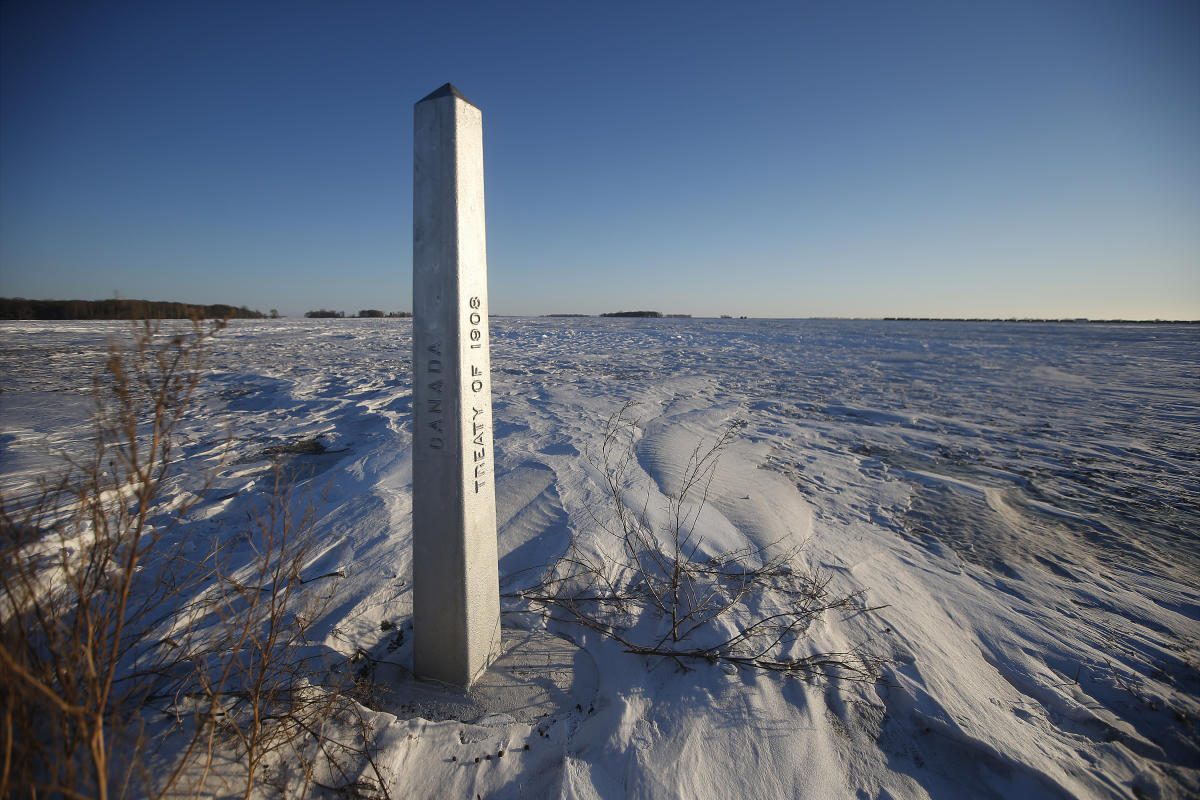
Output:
(696, 597)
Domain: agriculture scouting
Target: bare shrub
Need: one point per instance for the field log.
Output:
(262, 698)
(748, 607)
(109, 626)
(75, 593)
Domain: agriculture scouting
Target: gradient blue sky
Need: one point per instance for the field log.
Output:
(833, 158)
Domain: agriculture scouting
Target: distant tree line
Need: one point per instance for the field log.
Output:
(325, 313)
(650, 314)
(21, 308)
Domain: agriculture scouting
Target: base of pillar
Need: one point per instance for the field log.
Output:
(537, 674)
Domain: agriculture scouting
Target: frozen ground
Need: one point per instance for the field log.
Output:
(1022, 500)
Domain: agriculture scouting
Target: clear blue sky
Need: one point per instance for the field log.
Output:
(832, 158)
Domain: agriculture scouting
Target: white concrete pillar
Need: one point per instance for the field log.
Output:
(456, 587)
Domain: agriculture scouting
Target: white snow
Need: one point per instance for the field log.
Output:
(1021, 501)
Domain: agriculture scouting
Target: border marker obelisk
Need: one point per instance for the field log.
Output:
(456, 587)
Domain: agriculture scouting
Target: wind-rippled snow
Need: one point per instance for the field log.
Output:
(1023, 500)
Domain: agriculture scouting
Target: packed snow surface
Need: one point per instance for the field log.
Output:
(1020, 504)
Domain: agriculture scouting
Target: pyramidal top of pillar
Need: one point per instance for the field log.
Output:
(446, 90)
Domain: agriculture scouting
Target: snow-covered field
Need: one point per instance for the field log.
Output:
(1023, 501)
